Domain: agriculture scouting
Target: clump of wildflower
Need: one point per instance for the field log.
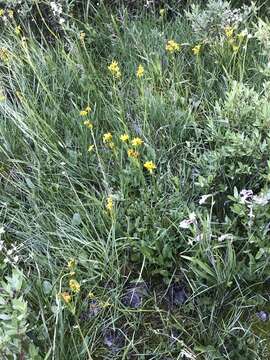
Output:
(242, 34)
(82, 36)
(90, 148)
(114, 69)
(197, 49)
(136, 141)
(140, 71)
(88, 124)
(133, 153)
(86, 111)
(124, 137)
(109, 204)
(235, 47)
(2, 11)
(161, 12)
(10, 13)
(4, 55)
(74, 285)
(107, 137)
(149, 166)
(18, 30)
(185, 224)
(91, 295)
(172, 46)
(104, 304)
(2, 96)
(229, 30)
(66, 297)
(111, 145)
(71, 264)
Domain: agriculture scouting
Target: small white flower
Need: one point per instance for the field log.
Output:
(185, 224)
(260, 200)
(246, 196)
(204, 198)
(2, 230)
(225, 237)
(187, 355)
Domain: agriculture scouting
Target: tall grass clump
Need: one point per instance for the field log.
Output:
(134, 182)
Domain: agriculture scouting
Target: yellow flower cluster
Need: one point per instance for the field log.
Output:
(124, 137)
(136, 141)
(85, 111)
(161, 12)
(114, 69)
(109, 204)
(107, 137)
(229, 30)
(4, 55)
(150, 166)
(82, 36)
(66, 297)
(133, 153)
(88, 124)
(232, 38)
(74, 286)
(172, 46)
(10, 13)
(197, 49)
(90, 148)
(140, 71)
(18, 30)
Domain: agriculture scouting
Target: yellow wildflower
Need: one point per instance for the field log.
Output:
(10, 13)
(71, 264)
(2, 11)
(2, 96)
(74, 285)
(140, 71)
(107, 137)
(86, 111)
(161, 12)
(136, 141)
(104, 304)
(229, 31)
(111, 145)
(235, 47)
(109, 204)
(197, 49)
(124, 137)
(88, 124)
(114, 69)
(82, 36)
(4, 54)
(150, 166)
(133, 153)
(242, 34)
(18, 30)
(172, 46)
(66, 297)
(90, 148)
(91, 295)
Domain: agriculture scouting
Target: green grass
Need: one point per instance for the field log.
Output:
(204, 122)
